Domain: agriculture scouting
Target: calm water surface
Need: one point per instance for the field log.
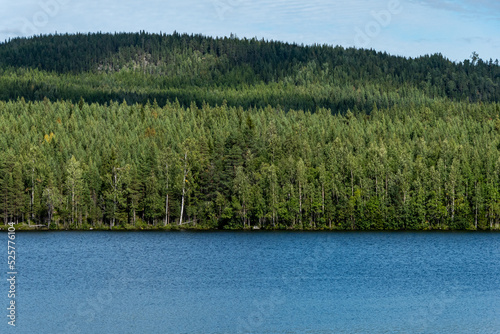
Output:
(237, 282)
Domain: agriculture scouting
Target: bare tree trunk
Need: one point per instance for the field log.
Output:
(183, 188)
(32, 194)
(73, 206)
(353, 220)
(116, 180)
(323, 199)
(114, 197)
(94, 199)
(166, 199)
(166, 210)
(475, 219)
(244, 215)
(300, 203)
(50, 209)
(274, 206)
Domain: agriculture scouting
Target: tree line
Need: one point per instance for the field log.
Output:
(81, 165)
(140, 66)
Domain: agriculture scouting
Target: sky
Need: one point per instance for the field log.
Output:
(409, 28)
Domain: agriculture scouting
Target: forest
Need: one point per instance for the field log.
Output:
(157, 131)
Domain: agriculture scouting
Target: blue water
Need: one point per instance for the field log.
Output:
(237, 282)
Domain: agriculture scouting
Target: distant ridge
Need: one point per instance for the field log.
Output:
(197, 60)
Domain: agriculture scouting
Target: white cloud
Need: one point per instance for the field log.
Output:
(485, 9)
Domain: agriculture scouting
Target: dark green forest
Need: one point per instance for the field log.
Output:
(138, 130)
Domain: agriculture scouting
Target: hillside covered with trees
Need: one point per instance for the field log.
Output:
(142, 130)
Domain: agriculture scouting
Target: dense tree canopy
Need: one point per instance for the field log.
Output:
(143, 130)
(223, 166)
(248, 73)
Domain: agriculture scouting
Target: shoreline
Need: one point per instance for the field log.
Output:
(175, 228)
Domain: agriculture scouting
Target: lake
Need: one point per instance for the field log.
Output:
(255, 282)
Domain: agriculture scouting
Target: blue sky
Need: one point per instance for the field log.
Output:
(402, 27)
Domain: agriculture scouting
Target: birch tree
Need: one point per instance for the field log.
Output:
(74, 185)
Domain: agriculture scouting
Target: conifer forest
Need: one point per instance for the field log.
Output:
(157, 131)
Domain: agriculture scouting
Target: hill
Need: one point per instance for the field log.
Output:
(137, 67)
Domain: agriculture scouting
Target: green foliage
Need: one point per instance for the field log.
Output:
(141, 67)
(141, 131)
(434, 167)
